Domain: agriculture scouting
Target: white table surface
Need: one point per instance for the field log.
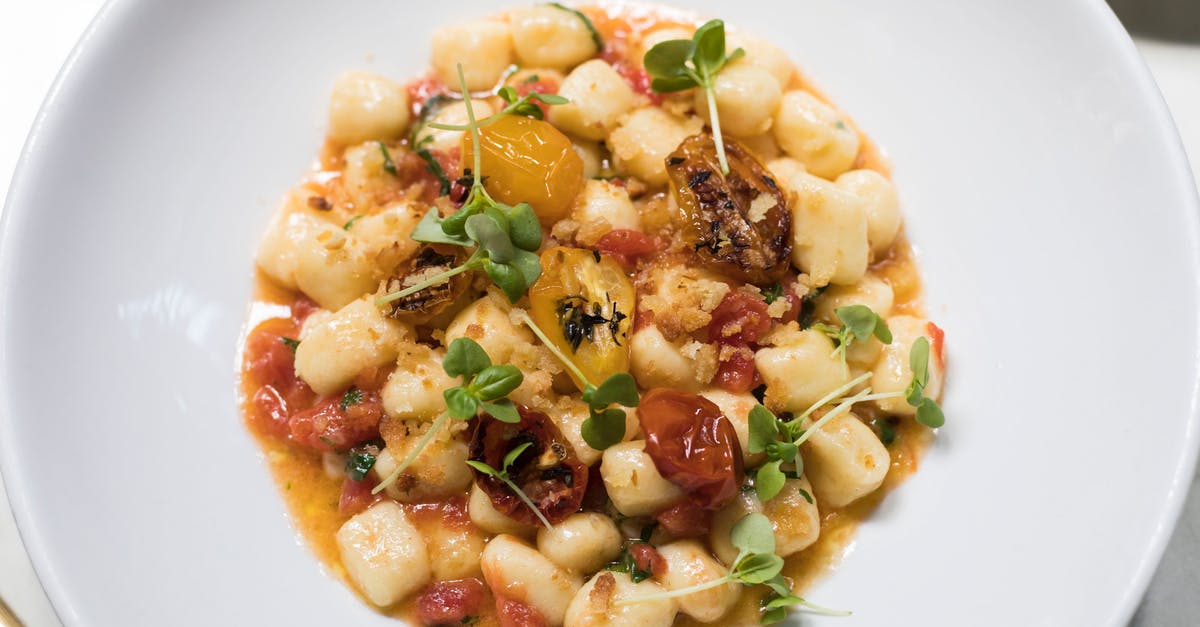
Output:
(35, 38)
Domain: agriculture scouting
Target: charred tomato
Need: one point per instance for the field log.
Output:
(423, 306)
(693, 445)
(737, 223)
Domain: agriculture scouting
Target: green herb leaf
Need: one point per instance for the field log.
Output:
(863, 323)
(509, 279)
(550, 99)
(388, 165)
(512, 456)
(434, 167)
(529, 266)
(290, 343)
(753, 534)
(359, 463)
(430, 230)
(508, 94)
(483, 468)
(503, 410)
(618, 388)
(349, 223)
(758, 568)
(491, 237)
(710, 47)
(465, 357)
(783, 451)
(496, 382)
(603, 429)
(524, 227)
(668, 59)
(599, 43)
(929, 414)
(460, 404)
(764, 427)
(353, 396)
(769, 480)
(887, 432)
(918, 361)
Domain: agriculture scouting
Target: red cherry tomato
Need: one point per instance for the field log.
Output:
(685, 519)
(450, 602)
(693, 445)
(738, 373)
(739, 319)
(648, 559)
(547, 472)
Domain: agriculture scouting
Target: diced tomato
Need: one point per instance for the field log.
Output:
(516, 614)
(271, 411)
(327, 427)
(626, 246)
(738, 374)
(356, 496)
(269, 364)
(794, 305)
(937, 344)
(739, 319)
(685, 519)
(648, 559)
(450, 602)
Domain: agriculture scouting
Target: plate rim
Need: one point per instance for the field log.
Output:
(113, 13)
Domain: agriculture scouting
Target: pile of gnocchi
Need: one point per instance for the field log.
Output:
(606, 320)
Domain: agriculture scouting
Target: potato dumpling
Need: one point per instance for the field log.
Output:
(603, 207)
(485, 516)
(389, 229)
(514, 570)
(333, 350)
(366, 107)
(440, 470)
(456, 548)
(486, 321)
(383, 554)
(414, 390)
(278, 252)
(452, 113)
(598, 98)
(844, 460)
(595, 605)
(764, 55)
(547, 36)
(871, 292)
(657, 362)
(642, 142)
(798, 368)
(795, 520)
(882, 206)
(583, 543)
(332, 267)
(633, 482)
(829, 231)
(689, 564)
(483, 47)
(746, 96)
(814, 133)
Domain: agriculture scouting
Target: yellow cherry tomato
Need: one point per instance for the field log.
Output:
(585, 303)
(528, 160)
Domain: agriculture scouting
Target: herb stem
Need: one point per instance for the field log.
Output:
(820, 609)
(710, 93)
(472, 126)
(830, 415)
(876, 396)
(524, 318)
(412, 454)
(832, 395)
(527, 501)
(436, 279)
(700, 587)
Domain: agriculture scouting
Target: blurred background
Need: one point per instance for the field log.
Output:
(37, 35)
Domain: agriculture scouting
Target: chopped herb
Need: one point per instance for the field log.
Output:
(434, 167)
(388, 165)
(289, 485)
(360, 462)
(349, 223)
(290, 343)
(887, 431)
(627, 564)
(532, 78)
(353, 396)
(808, 307)
(760, 393)
(596, 39)
(841, 125)
(771, 294)
(524, 105)
(578, 324)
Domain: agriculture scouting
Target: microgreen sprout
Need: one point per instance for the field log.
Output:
(765, 432)
(484, 387)
(605, 425)
(504, 237)
(775, 605)
(928, 411)
(502, 475)
(859, 323)
(668, 64)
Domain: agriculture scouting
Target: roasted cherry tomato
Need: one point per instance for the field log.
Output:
(693, 445)
(528, 160)
(548, 471)
(423, 306)
(739, 223)
(739, 319)
(585, 303)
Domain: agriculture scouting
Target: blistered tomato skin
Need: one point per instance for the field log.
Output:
(737, 224)
(528, 160)
(548, 471)
(427, 304)
(693, 445)
(585, 303)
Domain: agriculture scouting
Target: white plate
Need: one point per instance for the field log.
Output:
(1042, 180)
